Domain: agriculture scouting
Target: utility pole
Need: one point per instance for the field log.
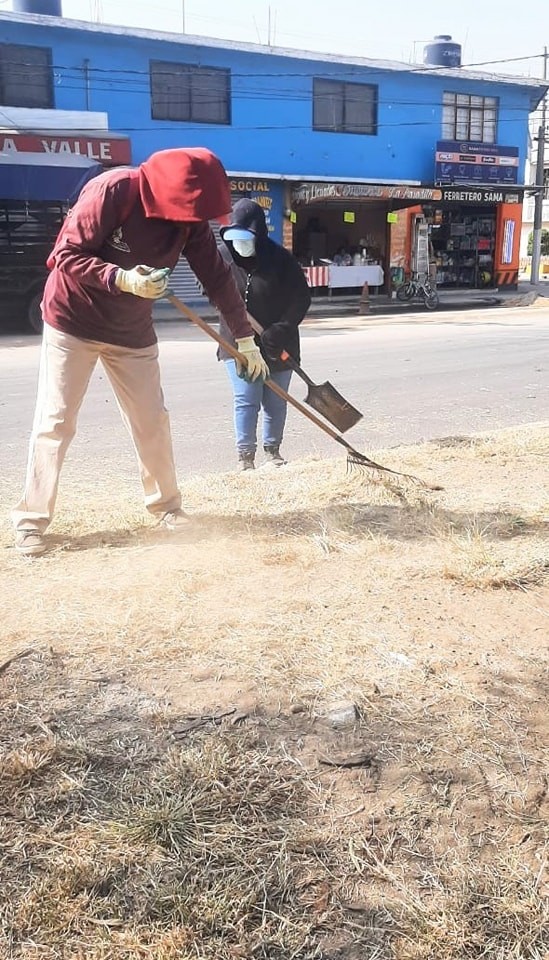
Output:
(96, 11)
(183, 16)
(540, 172)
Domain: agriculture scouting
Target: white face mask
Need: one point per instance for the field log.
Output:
(244, 248)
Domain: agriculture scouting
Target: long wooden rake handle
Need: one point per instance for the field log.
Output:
(357, 457)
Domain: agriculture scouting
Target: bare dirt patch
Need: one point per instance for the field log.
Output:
(173, 783)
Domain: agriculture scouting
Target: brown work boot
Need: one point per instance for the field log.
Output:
(246, 460)
(273, 456)
(175, 520)
(30, 543)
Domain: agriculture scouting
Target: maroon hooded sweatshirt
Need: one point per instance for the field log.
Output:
(124, 218)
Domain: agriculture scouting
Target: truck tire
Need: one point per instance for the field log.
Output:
(33, 311)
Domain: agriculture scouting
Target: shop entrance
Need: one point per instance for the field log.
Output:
(463, 243)
(345, 242)
(340, 227)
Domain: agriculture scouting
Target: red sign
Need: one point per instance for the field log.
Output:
(108, 150)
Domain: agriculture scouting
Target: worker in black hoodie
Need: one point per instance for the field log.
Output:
(276, 294)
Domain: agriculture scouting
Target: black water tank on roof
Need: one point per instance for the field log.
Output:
(442, 52)
(51, 8)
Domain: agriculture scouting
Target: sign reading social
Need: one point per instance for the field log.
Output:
(460, 162)
(268, 194)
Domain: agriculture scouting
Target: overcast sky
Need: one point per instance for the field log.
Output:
(368, 28)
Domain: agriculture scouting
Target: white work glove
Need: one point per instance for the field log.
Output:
(150, 283)
(255, 365)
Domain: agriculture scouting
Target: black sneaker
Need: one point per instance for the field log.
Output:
(246, 461)
(272, 453)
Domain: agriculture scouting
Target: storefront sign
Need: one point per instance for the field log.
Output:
(458, 162)
(108, 150)
(268, 194)
(479, 195)
(311, 192)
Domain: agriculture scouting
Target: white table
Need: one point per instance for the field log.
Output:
(355, 276)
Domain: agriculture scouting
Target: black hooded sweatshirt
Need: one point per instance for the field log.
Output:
(272, 285)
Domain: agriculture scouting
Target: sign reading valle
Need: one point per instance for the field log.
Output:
(110, 151)
(461, 162)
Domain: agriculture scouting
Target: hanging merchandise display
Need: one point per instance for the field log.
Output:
(463, 242)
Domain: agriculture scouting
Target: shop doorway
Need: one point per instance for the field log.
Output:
(344, 234)
(463, 242)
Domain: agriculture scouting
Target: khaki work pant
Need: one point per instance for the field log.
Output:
(66, 365)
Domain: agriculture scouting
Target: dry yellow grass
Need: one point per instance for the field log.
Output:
(122, 839)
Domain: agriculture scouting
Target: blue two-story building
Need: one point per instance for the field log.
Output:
(334, 148)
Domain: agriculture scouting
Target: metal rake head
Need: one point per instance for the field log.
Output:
(362, 462)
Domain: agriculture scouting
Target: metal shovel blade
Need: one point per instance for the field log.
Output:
(325, 400)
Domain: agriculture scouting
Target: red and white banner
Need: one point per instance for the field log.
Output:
(317, 276)
(110, 151)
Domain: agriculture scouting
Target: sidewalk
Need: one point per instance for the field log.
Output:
(383, 306)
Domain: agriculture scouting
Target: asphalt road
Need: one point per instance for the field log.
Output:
(412, 379)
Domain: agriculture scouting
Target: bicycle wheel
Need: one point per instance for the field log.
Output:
(405, 291)
(431, 299)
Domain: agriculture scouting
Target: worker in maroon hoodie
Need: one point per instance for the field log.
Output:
(112, 259)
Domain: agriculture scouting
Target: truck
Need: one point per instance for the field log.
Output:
(36, 191)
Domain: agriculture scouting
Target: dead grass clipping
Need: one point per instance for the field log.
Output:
(179, 777)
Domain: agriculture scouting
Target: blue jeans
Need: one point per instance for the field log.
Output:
(249, 399)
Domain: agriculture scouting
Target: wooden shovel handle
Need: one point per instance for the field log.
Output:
(284, 356)
(255, 324)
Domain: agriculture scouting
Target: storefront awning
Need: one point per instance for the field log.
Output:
(37, 177)
(311, 192)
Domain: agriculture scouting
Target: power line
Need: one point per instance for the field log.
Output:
(350, 69)
(154, 127)
(279, 96)
(139, 82)
(210, 101)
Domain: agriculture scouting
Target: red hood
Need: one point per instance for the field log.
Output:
(184, 185)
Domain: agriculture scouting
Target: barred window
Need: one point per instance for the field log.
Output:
(25, 76)
(468, 117)
(344, 107)
(180, 91)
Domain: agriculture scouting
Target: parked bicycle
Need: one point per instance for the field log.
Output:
(419, 288)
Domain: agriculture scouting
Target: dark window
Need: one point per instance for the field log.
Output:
(25, 76)
(183, 92)
(344, 107)
(466, 117)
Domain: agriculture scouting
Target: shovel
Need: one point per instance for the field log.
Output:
(354, 457)
(322, 397)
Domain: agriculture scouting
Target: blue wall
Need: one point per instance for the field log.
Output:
(271, 128)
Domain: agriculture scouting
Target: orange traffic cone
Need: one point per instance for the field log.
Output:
(364, 305)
